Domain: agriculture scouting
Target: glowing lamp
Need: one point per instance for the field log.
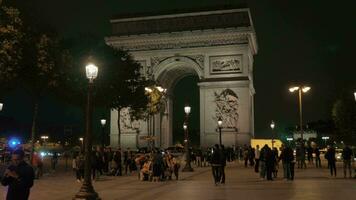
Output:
(91, 71)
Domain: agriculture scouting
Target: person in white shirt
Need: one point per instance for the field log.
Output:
(257, 158)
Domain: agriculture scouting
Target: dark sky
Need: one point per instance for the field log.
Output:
(309, 42)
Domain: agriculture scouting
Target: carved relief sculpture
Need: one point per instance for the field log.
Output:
(227, 108)
(226, 64)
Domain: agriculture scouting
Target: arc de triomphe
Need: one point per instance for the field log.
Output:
(217, 46)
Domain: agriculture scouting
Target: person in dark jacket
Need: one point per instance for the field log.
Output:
(287, 158)
(346, 156)
(223, 164)
(216, 163)
(330, 156)
(18, 177)
(270, 162)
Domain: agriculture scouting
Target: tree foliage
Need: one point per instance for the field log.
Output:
(11, 43)
(344, 116)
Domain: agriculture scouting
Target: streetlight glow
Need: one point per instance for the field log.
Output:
(220, 122)
(103, 122)
(272, 124)
(292, 89)
(81, 139)
(185, 126)
(306, 89)
(187, 109)
(355, 95)
(91, 71)
(1, 105)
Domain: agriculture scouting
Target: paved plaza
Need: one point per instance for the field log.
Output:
(241, 183)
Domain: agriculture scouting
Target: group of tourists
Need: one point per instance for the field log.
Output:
(153, 166)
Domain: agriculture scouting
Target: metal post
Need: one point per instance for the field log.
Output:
(87, 190)
(220, 136)
(301, 114)
(187, 167)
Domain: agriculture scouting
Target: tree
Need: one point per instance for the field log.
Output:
(11, 40)
(344, 116)
(118, 85)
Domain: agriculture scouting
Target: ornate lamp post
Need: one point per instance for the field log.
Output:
(272, 127)
(187, 167)
(220, 122)
(87, 191)
(103, 136)
(301, 90)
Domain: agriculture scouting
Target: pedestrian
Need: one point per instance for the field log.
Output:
(54, 161)
(257, 158)
(287, 159)
(317, 157)
(222, 163)
(310, 155)
(263, 161)
(37, 165)
(176, 166)
(117, 159)
(18, 177)
(330, 156)
(346, 156)
(270, 161)
(216, 163)
(275, 158)
(245, 155)
(199, 156)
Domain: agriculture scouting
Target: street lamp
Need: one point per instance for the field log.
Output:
(220, 122)
(301, 90)
(272, 127)
(354, 95)
(87, 191)
(1, 106)
(103, 137)
(187, 167)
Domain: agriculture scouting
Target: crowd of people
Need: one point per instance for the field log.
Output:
(160, 165)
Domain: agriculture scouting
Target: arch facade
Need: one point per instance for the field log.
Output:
(222, 58)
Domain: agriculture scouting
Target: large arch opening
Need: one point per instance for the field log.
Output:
(186, 91)
(180, 76)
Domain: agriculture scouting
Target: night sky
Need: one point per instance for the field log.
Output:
(309, 42)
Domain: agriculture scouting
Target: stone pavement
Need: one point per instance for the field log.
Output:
(241, 183)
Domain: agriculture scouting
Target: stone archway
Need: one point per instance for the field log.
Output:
(168, 73)
(218, 46)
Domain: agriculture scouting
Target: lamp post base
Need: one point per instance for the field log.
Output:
(86, 192)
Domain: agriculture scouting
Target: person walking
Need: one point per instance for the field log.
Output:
(216, 163)
(287, 159)
(270, 161)
(117, 159)
(54, 161)
(18, 177)
(257, 158)
(263, 161)
(222, 163)
(330, 156)
(346, 156)
(317, 157)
